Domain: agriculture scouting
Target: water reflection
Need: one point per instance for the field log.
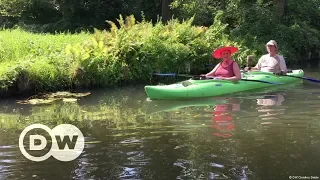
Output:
(171, 105)
(265, 107)
(222, 119)
(263, 135)
(271, 100)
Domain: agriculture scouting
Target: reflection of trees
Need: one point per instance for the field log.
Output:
(283, 149)
(124, 140)
(209, 156)
(57, 113)
(278, 139)
(117, 111)
(13, 165)
(284, 146)
(108, 123)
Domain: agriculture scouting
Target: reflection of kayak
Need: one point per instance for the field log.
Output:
(209, 88)
(157, 106)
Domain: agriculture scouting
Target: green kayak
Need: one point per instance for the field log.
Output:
(214, 87)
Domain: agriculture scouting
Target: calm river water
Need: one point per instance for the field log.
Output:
(265, 134)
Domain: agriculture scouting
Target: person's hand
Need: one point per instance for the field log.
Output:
(247, 69)
(202, 77)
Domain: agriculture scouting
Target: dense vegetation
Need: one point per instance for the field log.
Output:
(107, 58)
(115, 42)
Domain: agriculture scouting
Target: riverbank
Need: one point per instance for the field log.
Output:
(32, 63)
(126, 54)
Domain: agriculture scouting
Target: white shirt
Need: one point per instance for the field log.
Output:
(269, 63)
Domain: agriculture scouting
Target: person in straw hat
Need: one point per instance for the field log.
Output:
(227, 69)
(271, 62)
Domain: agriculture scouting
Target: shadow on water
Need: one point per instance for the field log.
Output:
(265, 134)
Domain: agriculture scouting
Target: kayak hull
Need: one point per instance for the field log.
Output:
(211, 87)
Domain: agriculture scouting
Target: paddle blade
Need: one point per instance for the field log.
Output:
(306, 78)
(310, 79)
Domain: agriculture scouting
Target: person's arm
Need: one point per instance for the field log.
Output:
(211, 73)
(258, 65)
(236, 71)
(283, 65)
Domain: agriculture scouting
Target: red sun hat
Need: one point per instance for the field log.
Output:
(217, 53)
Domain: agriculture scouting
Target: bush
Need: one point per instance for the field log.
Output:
(128, 53)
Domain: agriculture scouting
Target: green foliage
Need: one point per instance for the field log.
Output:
(252, 23)
(128, 53)
(65, 15)
(8, 74)
(40, 55)
(166, 48)
(13, 7)
(203, 11)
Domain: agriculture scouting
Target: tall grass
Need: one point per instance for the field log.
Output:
(127, 53)
(17, 44)
(41, 55)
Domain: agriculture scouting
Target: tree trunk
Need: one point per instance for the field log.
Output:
(165, 10)
(280, 6)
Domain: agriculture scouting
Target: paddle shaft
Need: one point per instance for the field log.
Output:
(253, 80)
(281, 74)
(174, 74)
(212, 77)
(306, 78)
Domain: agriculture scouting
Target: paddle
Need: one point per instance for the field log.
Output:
(174, 74)
(282, 74)
(211, 77)
(306, 78)
(254, 80)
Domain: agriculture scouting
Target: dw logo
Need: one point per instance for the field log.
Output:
(67, 142)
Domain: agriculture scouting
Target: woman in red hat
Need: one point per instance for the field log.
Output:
(227, 69)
